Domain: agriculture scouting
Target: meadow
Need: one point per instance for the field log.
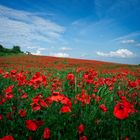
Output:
(68, 99)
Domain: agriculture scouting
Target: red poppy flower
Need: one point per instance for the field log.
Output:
(30, 138)
(9, 93)
(24, 95)
(78, 70)
(9, 96)
(9, 137)
(9, 116)
(122, 109)
(31, 125)
(43, 103)
(66, 101)
(70, 77)
(35, 106)
(37, 80)
(55, 93)
(57, 98)
(22, 113)
(97, 99)
(95, 90)
(65, 109)
(108, 82)
(49, 100)
(47, 133)
(103, 107)
(132, 84)
(84, 98)
(81, 128)
(1, 117)
(93, 96)
(83, 138)
(2, 100)
(13, 72)
(9, 89)
(127, 138)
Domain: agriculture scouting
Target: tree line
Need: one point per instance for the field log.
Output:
(7, 51)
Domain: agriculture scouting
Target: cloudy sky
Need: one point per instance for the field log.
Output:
(107, 30)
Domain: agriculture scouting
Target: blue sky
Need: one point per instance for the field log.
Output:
(107, 30)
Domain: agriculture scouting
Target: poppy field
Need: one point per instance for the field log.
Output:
(68, 99)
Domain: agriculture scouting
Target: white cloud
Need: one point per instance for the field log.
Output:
(130, 35)
(60, 54)
(122, 53)
(65, 49)
(128, 41)
(27, 29)
(38, 51)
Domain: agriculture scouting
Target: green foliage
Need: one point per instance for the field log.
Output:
(16, 49)
(5, 51)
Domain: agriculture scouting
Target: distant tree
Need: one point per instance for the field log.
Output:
(1, 47)
(3, 50)
(7, 51)
(16, 49)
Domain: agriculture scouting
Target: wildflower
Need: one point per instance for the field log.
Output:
(65, 109)
(97, 99)
(47, 133)
(31, 125)
(24, 95)
(1, 117)
(83, 138)
(132, 84)
(84, 98)
(35, 106)
(30, 138)
(103, 107)
(70, 77)
(43, 103)
(81, 128)
(122, 109)
(9, 116)
(2, 100)
(13, 72)
(66, 101)
(9, 137)
(22, 113)
(93, 96)
(9, 93)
